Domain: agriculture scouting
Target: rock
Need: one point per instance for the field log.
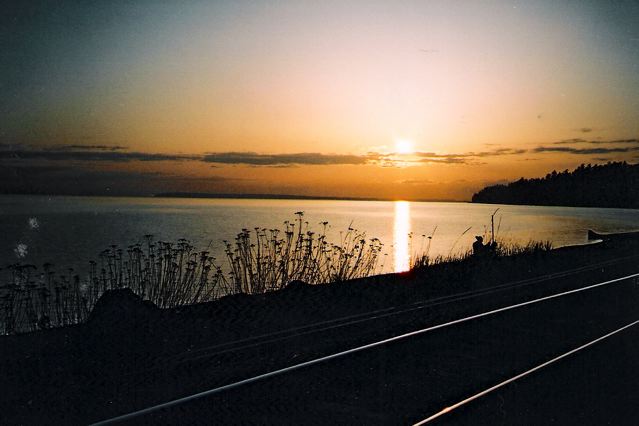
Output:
(297, 285)
(121, 308)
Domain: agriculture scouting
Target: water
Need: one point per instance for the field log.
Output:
(70, 231)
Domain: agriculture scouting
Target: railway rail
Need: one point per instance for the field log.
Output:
(282, 371)
(350, 320)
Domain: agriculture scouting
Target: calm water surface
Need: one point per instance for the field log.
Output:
(70, 231)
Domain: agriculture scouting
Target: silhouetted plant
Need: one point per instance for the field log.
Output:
(175, 274)
(167, 274)
(502, 248)
(268, 259)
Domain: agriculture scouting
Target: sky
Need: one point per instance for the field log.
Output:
(399, 100)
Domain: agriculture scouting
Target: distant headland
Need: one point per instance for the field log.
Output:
(259, 196)
(615, 184)
(241, 196)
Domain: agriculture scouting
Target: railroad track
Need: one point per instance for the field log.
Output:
(350, 320)
(402, 337)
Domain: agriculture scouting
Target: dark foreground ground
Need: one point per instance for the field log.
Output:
(131, 355)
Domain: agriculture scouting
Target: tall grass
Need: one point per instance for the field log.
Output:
(502, 247)
(268, 259)
(30, 301)
(167, 274)
(175, 274)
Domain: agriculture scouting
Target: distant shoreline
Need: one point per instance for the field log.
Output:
(285, 197)
(204, 195)
(259, 196)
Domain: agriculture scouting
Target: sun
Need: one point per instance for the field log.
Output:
(403, 146)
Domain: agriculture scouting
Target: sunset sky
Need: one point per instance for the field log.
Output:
(390, 99)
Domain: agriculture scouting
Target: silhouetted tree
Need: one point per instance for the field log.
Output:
(615, 184)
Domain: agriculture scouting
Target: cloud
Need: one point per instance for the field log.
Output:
(255, 159)
(447, 160)
(86, 180)
(599, 147)
(632, 141)
(585, 130)
(86, 148)
(493, 153)
(89, 155)
(274, 166)
(498, 152)
(466, 157)
(586, 151)
(570, 141)
(119, 154)
(415, 182)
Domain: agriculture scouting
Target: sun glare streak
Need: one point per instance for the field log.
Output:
(401, 228)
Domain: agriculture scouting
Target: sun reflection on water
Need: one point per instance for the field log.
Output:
(401, 228)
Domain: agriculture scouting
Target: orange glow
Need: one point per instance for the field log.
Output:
(404, 146)
(343, 78)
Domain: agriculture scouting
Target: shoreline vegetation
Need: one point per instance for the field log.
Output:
(613, 185)
(176, 274)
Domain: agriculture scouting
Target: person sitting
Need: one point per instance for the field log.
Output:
(479, 249)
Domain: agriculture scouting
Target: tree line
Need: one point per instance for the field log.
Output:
(615, 184)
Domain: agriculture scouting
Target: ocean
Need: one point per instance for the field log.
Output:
(68, 232)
